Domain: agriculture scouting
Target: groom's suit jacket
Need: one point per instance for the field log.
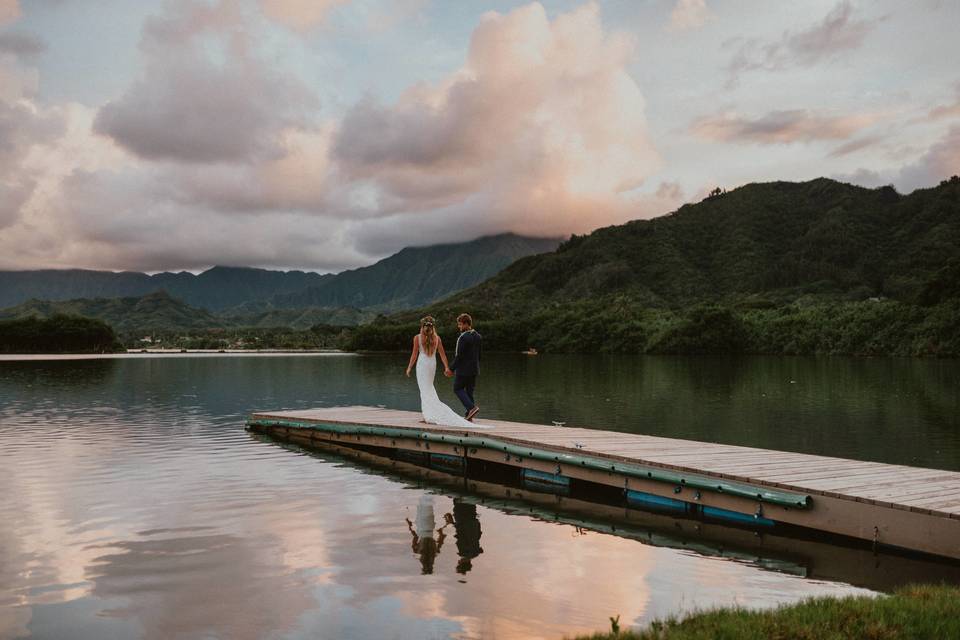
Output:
(466, 358)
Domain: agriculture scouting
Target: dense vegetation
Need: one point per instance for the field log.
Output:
(57, 334)
(911, 613)
(410, 278)
(782, 268)
(158, 312)
(618, 325)
(153, 312)
(157, 320)
(317, 337)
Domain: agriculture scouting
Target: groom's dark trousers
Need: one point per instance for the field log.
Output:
(466, 365)
(463, 386)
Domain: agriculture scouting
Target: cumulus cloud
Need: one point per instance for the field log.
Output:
(9, 11)
(212, 156)
(939, 162)
(299, 15)
(17, 82)
(839, 32)
(204, 162)
(780, 127)
(176, 195)
(24, 126)
(296, 178)
(121, 219)
(539, 131)
(689, 14)
(13, 194)
(52, 143)
(191, 107)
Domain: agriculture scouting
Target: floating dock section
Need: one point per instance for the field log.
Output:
(885, 505)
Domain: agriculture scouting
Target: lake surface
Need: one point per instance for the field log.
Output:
(133, 504)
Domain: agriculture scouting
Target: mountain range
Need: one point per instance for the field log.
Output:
(412, 277)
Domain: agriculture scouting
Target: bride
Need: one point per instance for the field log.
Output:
(426, 346)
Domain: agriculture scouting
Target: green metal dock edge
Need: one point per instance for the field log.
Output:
(705, 483)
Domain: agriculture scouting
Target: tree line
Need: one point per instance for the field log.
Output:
(60, 333)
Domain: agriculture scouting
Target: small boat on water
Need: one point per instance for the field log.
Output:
(530, 352)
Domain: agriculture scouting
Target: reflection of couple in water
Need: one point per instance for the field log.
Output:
(466, 531)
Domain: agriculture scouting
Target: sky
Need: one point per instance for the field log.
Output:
(326, 134)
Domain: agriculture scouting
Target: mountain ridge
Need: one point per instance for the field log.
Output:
(430, 273)
(159, 311)
(248, 290)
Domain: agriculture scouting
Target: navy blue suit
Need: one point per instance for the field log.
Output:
(466, 366)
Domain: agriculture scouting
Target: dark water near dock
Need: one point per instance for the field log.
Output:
(134, 505)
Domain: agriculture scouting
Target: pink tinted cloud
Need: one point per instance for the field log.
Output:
(781, 127)
(9, 11)
(299, 15)
(541, 129)
(24, 126)
(688, 15)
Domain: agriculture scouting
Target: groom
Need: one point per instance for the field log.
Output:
(466, 364)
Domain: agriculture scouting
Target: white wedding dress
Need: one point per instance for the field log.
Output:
(435, 411)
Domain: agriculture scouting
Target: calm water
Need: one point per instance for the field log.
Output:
(133, 504)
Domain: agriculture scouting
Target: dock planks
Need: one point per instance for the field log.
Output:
(893, 505)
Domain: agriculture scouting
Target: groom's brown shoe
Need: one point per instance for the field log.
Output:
(472, 413)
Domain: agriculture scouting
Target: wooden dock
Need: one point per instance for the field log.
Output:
(886, 505)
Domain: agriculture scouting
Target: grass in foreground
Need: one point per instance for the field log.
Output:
(913, 612)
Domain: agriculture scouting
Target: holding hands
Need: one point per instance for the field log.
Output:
(447, 372)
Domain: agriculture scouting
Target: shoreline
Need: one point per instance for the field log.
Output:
(193, 353)
(167, 351)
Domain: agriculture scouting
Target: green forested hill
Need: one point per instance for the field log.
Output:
(148, 313)
(159, 312)
(776, 241)
(299, 318)
(779, 267)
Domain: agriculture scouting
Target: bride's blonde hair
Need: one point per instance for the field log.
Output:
(428, 335)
